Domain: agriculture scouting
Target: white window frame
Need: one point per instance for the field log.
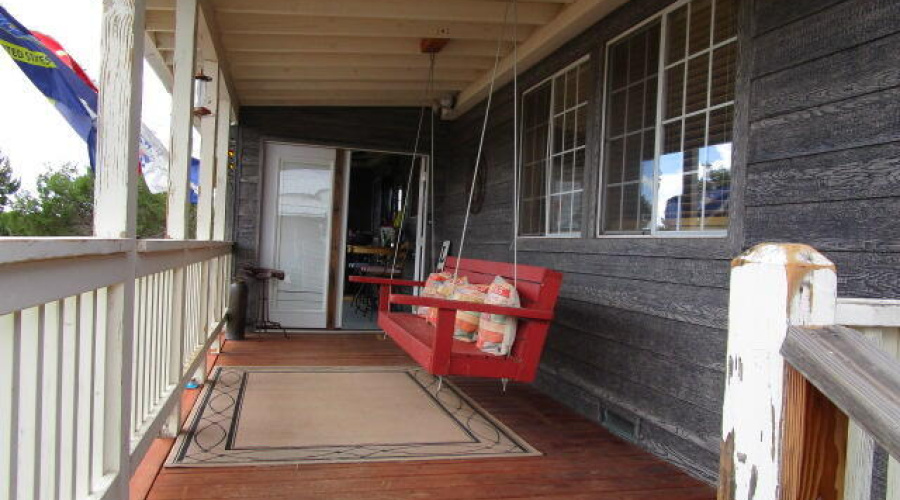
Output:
(662, 17)
(549, 155)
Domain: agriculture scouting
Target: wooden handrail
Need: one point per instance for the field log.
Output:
(861, 379)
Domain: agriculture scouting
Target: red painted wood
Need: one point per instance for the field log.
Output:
(520, 312)
(434, 347)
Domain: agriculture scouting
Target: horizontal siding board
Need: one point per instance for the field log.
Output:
(695, 385)
(648, 246)
(850, 174)
(859, 70)
(701, 346)
(867, 275)
(690, 304)
(697, 272)
(825, 32)
(843, 226)
(866, 120)
(771, 14)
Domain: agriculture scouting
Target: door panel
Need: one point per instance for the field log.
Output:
(296, 232)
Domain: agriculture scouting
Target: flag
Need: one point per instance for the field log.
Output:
(71, 96)
(62, 80)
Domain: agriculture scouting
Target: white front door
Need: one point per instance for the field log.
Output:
(296, 231)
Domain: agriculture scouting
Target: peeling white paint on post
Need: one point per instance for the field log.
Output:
(772, 286)
(115, 216)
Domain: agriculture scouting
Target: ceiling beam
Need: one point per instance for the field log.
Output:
(287, 85)
(356, 60)
(571, 21)
(311, 95)
(157, 60)
(302, 44)
(256, 24)
(362, 74)
(415, 10)
(337, 102)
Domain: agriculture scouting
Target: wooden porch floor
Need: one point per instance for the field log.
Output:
(581, 459)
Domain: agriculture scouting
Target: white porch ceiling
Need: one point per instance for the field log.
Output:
(367, 52)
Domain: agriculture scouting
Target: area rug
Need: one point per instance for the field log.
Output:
(299, 415)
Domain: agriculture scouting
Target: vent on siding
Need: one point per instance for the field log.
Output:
(620, 425)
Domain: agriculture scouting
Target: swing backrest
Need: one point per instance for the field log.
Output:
(538, 288)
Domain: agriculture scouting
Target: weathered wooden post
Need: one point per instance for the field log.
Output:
(772, 286)
(115, 216)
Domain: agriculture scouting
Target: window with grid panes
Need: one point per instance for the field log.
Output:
(668, 125)
(554, 116)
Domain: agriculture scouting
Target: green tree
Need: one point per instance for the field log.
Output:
(8, 184)
(64, 206)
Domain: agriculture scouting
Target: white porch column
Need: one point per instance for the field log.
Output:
(115, 216)
(179, 167)
(208, 149)
(223, 135)
(182, 117)
(772, 286)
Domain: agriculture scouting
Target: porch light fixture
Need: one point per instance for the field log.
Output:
(200, 82)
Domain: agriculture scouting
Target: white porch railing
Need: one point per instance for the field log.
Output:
(812, 382)
(879, 322)
(62, 382)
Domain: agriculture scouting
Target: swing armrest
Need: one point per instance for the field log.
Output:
(461, 305)
(385, 281)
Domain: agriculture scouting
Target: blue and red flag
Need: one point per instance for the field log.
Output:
(75, 99)
(62, 80)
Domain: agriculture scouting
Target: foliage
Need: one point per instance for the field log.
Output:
(8, 185)
(64, 206)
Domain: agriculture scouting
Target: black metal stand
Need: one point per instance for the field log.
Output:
(263, 277)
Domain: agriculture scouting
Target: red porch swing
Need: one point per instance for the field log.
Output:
(433, 347)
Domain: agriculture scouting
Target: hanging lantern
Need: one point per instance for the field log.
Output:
(200, 82)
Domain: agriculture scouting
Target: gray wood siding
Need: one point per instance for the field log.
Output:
(824, 152)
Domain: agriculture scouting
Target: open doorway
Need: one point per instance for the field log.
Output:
(379, 240)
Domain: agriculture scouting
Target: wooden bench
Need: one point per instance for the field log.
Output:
(434, 348)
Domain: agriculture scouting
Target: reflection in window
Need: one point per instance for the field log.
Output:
(671, 171)
(554, 119)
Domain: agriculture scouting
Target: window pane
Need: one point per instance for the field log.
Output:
(581, 121)
(677, 34)
(723, 71)
(697, 75)
(569, 142)
(535, 113)
(618, 66)
(616, 113)
(637, 57)
(612, 213)
(672, 137)
(694, 134)
(635, 108)
(720, 122)
(630, 199)
(674, 98)
(576, 211)
(633, 154)
(650, 92)
(701, 18)
(725, 20)
(615, 157)
(572, 88)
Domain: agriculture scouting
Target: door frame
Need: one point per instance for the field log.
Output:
(336, 315)
(421, 229)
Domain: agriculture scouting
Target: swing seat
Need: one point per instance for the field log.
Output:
(435, 349)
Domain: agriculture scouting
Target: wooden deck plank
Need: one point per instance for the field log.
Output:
(581, 460)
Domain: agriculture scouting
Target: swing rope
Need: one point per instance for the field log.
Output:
(487, 110)
(429, 85)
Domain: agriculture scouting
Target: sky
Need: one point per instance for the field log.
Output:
(32, 132)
